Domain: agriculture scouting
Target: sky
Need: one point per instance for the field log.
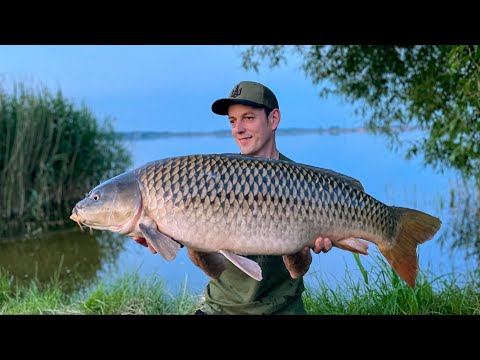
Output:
(166, 87)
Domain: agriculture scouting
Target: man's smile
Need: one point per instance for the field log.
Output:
(244, 140)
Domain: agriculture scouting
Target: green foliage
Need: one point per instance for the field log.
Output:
(387, 294)
(51, 153)
(384, 294)
(463, 229)
(34, 299)
(128, 295)
(436, 88)
(132, 295)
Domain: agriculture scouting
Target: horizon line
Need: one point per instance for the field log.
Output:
(146, 134)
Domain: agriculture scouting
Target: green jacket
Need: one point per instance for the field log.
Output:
(234, 292)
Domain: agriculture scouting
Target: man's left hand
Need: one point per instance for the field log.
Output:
(298, 264)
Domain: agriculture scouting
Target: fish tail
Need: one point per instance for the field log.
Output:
(414, 227)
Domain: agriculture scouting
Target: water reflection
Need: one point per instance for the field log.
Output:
(72, 257)
(463, 229)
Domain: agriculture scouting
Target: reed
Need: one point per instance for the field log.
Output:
(51, 151)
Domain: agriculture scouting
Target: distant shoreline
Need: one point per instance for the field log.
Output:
(143, 135)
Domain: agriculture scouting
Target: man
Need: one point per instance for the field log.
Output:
(254, 116)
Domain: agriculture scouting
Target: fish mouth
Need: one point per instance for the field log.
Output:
(124, 228)
(75, 217)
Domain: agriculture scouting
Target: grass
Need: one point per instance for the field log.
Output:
(51, 153)
(128, 295)
(380, 292)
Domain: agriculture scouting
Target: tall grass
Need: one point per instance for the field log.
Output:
(51, 153)
(380, 291)
(128, 295)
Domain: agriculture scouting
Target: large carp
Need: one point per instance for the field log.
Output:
(241, 205)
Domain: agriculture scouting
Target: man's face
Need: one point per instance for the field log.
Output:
(253, 132)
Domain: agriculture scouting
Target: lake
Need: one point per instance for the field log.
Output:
(82, 258)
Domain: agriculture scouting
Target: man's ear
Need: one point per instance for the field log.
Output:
(274, 117)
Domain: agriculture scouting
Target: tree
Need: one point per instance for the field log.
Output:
(436, 88)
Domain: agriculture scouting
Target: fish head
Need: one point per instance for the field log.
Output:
(114, 205)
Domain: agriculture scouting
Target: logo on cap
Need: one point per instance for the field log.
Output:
(236, 92)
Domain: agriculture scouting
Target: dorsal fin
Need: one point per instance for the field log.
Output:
(348, 179)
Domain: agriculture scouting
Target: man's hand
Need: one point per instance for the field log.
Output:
(322, 244)
(298, 264)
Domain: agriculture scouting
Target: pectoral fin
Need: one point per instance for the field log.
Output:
(165, 245)
(249, 267)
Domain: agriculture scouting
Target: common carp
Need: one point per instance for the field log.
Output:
(241, 205)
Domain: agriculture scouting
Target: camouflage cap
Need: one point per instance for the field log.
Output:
(247, 93)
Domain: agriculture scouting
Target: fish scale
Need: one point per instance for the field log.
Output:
(281, 198)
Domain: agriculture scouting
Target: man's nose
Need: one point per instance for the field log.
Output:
(239, 128)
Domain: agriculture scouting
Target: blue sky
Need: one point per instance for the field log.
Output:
(166, 87)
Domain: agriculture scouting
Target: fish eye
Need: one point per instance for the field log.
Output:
(96, 197)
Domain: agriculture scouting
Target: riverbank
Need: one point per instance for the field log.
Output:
(383, 294)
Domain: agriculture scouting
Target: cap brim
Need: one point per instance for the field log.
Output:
(220, 107)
